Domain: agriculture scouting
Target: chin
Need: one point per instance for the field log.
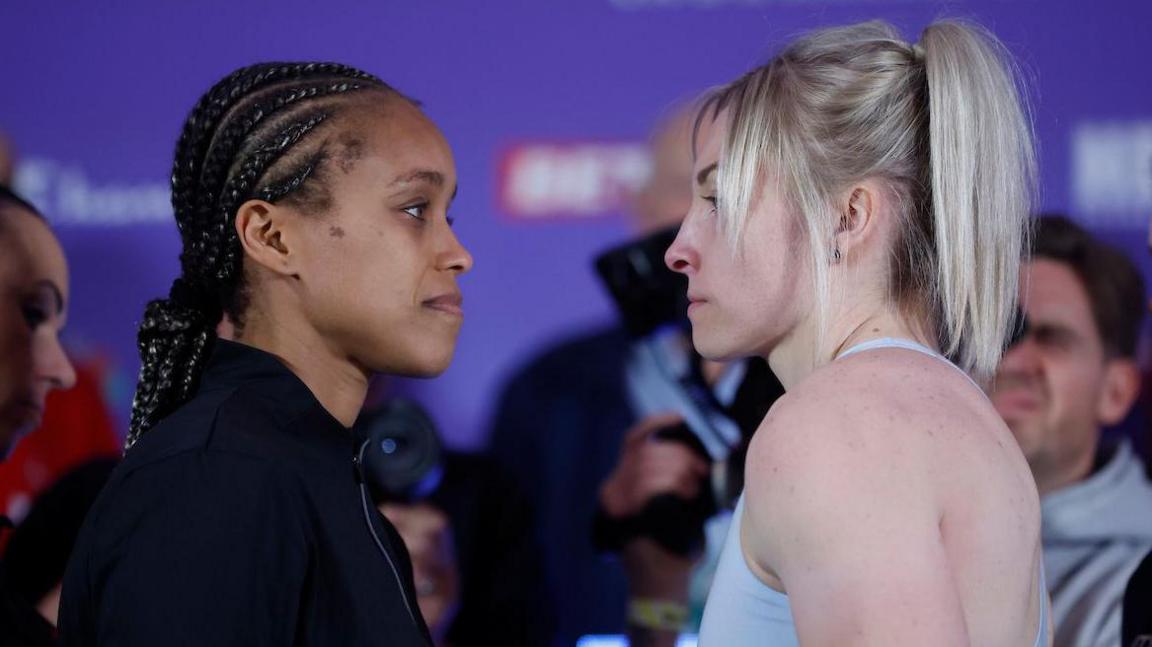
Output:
(1029, 437)
(712, 348)
(423, 363)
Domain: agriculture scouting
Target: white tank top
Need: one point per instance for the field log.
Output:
(741, 610)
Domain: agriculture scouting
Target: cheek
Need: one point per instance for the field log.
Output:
(362, 261)
(776, 282)
(1075, 389)
(16, 347)
(388, 282)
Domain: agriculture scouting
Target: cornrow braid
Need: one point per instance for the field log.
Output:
(251, 136)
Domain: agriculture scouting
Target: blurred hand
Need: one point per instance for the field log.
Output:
(428, 537)
(649, 467)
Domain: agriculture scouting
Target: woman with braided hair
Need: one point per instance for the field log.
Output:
(312, 206)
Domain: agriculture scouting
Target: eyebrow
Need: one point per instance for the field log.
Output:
(421, 175)
(1057, 327)
(435, 178)
(702, 176)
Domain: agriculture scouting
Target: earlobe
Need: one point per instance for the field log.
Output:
(1120, 390)
(259, 226)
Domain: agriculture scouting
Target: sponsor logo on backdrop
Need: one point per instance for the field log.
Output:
(68, 196)
(1112, 173)
(542, 180)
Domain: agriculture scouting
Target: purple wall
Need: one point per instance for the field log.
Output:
(94, 95)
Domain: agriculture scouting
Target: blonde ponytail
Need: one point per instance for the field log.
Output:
(983, 172)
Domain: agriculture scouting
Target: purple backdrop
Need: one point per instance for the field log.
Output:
(94, 94)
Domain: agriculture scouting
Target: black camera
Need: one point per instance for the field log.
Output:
(648, 295)
(401, 458)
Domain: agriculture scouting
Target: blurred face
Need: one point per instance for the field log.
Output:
(381, 267)
(744, 302)
(34, 285)
(1051, 387)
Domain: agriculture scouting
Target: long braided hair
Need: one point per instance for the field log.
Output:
(253, 135)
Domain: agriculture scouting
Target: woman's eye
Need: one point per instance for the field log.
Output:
(416, 210)
(34, 316)
(711, 199)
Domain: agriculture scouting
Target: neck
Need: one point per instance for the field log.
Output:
(337, 383)
(802, 351)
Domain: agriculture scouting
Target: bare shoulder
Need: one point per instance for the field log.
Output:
(886, 484)
(863, 408)
(863, 441)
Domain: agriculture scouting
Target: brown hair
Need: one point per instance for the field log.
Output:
(1114, 284)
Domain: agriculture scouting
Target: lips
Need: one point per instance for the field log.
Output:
(695, 301)
(450, 303)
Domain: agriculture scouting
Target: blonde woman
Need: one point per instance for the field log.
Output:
(860, 213)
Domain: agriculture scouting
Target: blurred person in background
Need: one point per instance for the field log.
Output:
(34, 280)
(1073, 374)
(34, 287)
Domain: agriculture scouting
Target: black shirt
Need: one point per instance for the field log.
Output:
(238, 520)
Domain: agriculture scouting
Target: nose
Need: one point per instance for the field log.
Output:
(53, 365)
(681, 255)
(454, 257)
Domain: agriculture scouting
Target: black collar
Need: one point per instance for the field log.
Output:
(234, 365)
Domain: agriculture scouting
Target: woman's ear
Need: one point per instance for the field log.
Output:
(859, 207)
(264, 232)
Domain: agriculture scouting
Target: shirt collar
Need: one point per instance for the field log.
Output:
(234, 364)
